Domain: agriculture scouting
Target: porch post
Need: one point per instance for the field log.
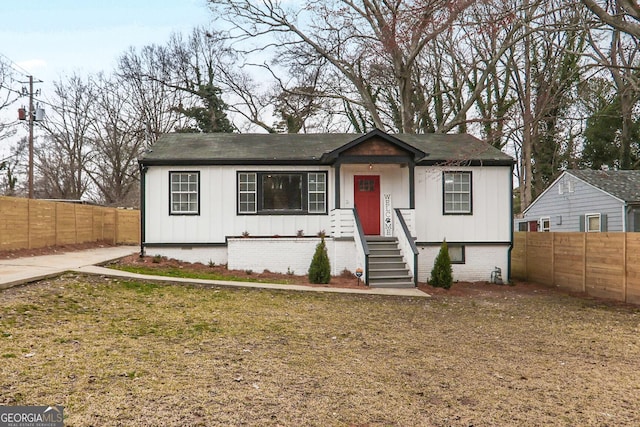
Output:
(336, 184)
(412, 185)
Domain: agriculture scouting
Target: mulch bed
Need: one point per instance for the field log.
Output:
(459, 289)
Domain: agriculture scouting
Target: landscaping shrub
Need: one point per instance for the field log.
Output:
(442, 274)
(320, 269)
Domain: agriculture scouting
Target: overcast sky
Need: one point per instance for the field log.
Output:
(52, 37)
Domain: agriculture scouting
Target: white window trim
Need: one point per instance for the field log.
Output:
(541, 226)
(469, 210)
(254, 192)
(324, 192)
(172, 193)
(586, 222)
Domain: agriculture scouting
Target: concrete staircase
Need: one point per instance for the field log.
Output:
(387, 268)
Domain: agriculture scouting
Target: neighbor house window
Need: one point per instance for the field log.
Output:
(456, 253)
(184, 193)
(457, 192)
(592, 222)
(247, 193)
(273, 193)
(545, 224)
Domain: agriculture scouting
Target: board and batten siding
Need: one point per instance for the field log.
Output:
(565, 210)
(218, 218)
(490, 220)
(394, 180)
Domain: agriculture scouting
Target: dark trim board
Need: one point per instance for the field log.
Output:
(231, 162)
(184, 245)
(376, 160)
(463, 163)
(220, 244)
(465, 243)
(143, 185)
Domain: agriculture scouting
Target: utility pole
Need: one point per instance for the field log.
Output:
(31, 113)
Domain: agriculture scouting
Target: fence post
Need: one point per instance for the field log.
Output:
(553, 258)
(624, 265)
(29, 223)
(115, 226)
(584, 262)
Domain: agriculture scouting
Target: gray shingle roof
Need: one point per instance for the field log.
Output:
(234, 148)
(624, 185)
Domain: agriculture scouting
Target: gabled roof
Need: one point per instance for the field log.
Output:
(624, 185)
(376, 133)
(322, 148)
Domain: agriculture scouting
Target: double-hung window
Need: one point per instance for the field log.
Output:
(282, 193)
(457, 193)
(184, 193)
(317, 190)
(247, 193)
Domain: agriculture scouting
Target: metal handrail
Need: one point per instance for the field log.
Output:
(412, 244)
(365, 246)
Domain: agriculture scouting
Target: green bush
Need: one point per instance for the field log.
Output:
(442, 274)
(320, 269)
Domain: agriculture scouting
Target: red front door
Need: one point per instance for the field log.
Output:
(366, 194)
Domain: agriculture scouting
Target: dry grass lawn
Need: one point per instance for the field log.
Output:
(118, 353)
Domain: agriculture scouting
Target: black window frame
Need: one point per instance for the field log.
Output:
(444, 192)
(462, 248)
(259, 200)
(198, 192)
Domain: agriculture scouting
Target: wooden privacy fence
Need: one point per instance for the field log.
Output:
(30, 224)
(603, 265)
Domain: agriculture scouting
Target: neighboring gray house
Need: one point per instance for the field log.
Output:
(586, 200)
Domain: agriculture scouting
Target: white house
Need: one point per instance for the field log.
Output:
(384, 202)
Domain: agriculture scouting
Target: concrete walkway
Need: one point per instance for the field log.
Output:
(18, 271)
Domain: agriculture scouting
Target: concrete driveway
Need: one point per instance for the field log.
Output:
(17, 271)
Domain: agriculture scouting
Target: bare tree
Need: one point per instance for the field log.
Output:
(116, 143)
(372, 47)
(7, 96)
(141, 75)
(545, 71)
(10, 167)
(623, 15)
(62, 156)
(184, 75)
(621, 57)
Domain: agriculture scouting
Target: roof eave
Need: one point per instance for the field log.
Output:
(228, 162)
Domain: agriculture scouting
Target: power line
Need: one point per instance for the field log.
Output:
(15, 66)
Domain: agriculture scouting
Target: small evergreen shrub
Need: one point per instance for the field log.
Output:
(442, 273)
(320, 269)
